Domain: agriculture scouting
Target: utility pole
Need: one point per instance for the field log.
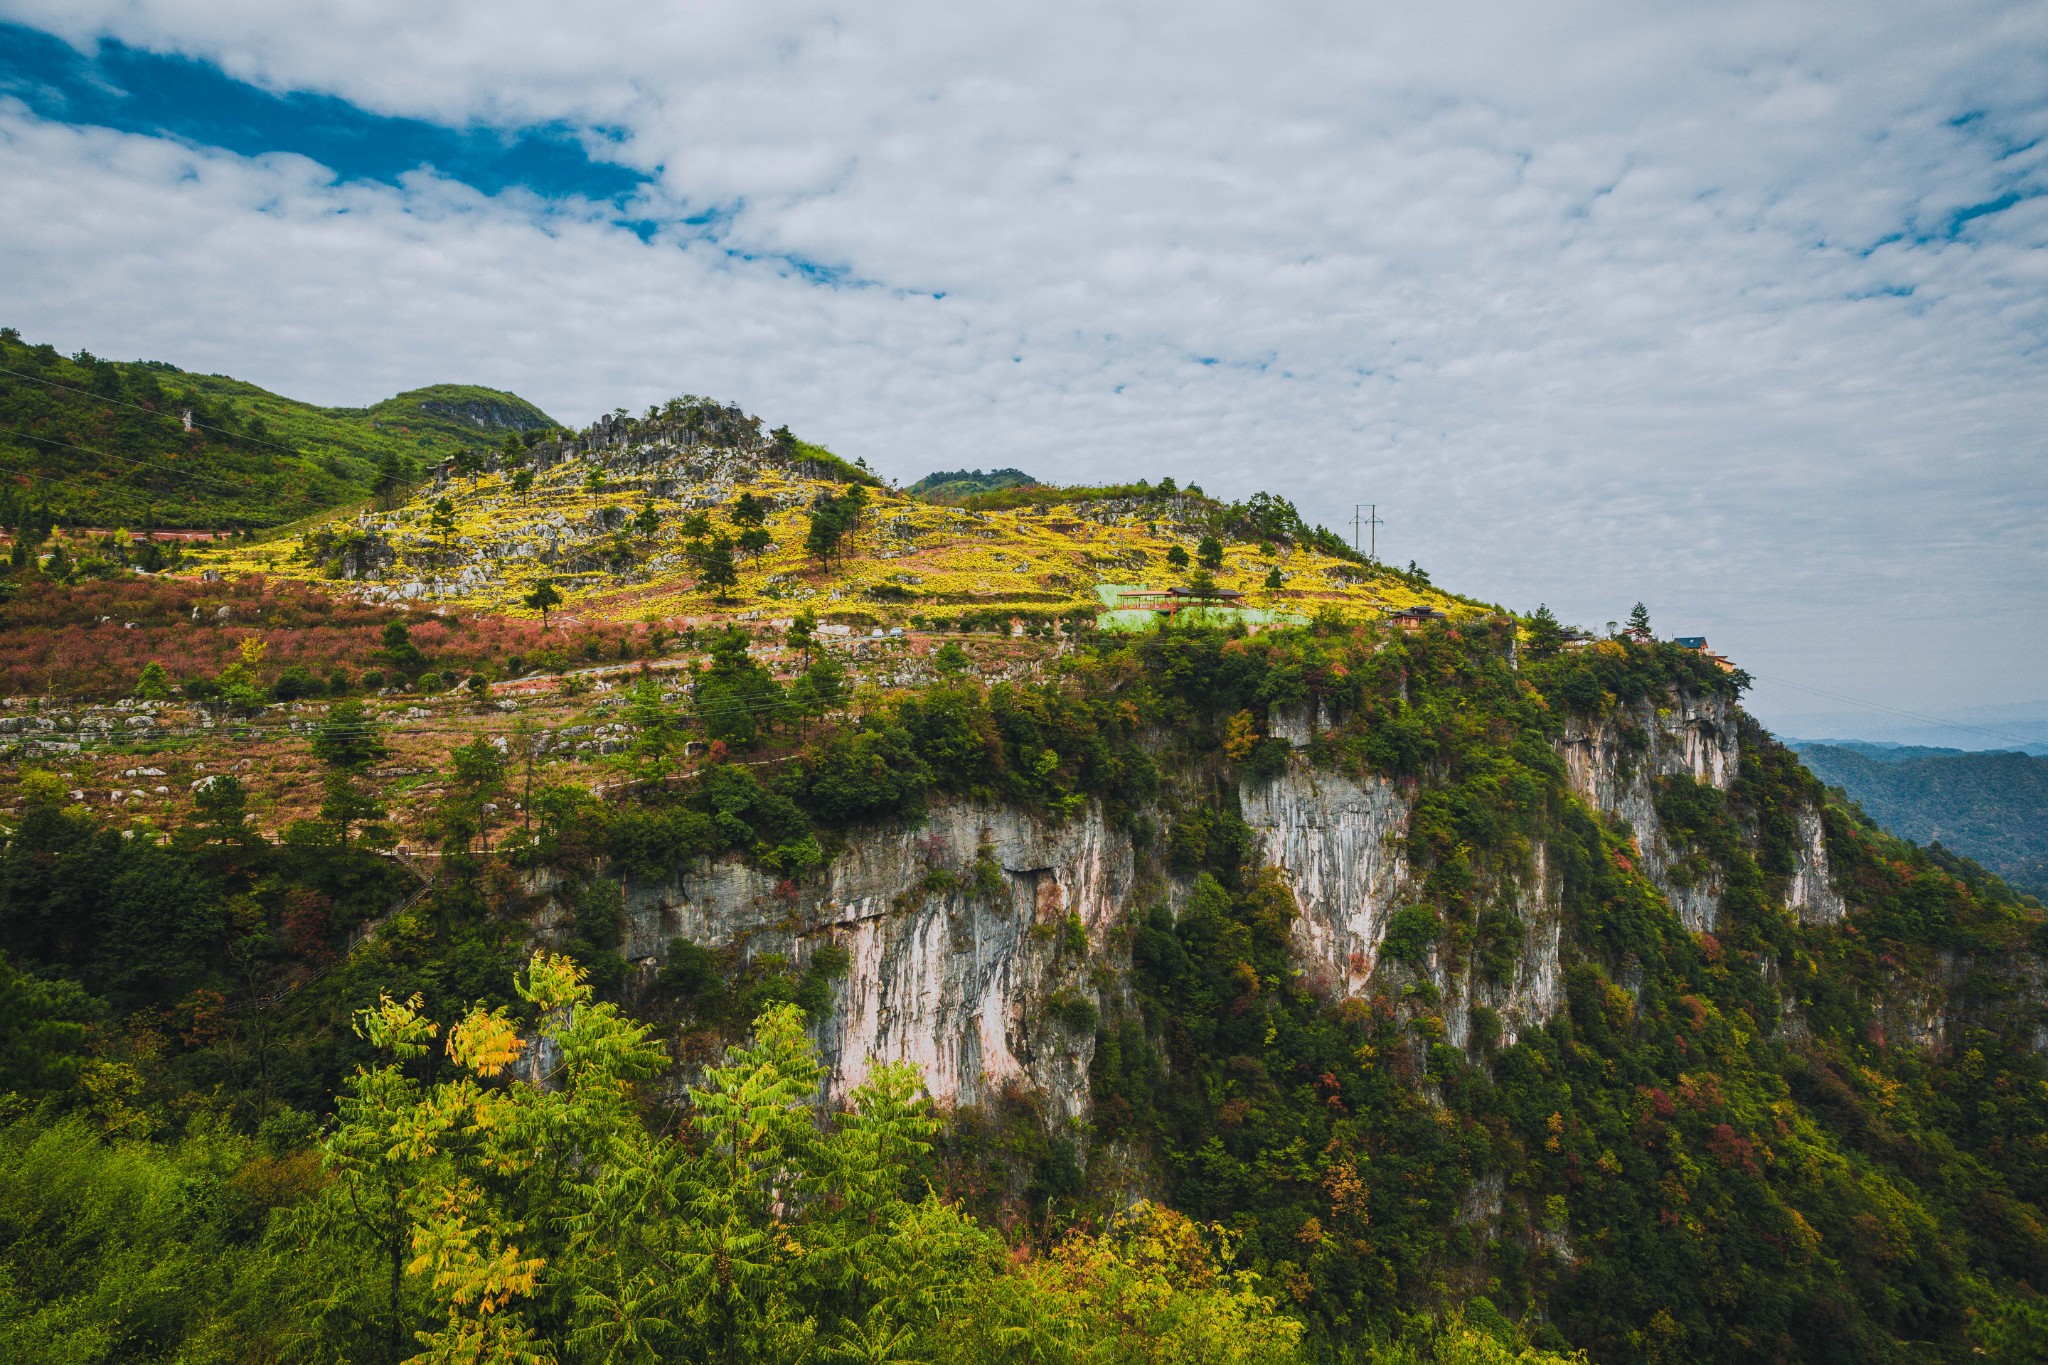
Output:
(1371, 523)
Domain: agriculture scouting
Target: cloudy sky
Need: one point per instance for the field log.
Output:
(1740, 309)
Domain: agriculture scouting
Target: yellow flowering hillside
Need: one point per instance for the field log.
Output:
(620, 520)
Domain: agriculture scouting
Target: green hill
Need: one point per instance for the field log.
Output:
(1992, 807)
(106, 443)
(957, 484)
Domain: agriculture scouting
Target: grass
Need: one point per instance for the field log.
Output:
(101, 442)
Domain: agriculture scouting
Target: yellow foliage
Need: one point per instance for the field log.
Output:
(485, 1043)
(399, 1029)
(907, 556)
(1240, 736)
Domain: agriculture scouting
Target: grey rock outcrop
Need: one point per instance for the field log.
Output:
(956, 981)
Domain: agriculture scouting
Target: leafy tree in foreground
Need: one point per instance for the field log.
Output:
(507, 1220)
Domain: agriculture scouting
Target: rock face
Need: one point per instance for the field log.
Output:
(1613, 765)
(957, 981)
(963, 981)
(1339, 843)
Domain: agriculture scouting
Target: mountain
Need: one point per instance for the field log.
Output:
(106, 443)
(2013, 725)
(1992, 807)
(965, 483)
(620, 516)
(841, 925)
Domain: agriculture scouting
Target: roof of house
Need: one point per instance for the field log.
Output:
(1690, 641)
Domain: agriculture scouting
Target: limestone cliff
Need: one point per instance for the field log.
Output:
(963, 980)
(960, 980)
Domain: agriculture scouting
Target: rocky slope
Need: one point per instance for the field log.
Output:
(967, 982)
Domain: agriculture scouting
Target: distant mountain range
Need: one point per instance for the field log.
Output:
(108, 443)
(1992, 807)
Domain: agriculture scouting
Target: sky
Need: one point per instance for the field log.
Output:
(1740, 310)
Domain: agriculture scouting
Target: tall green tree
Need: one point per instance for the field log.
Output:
(712, 560)
(347, 743)
(443, 520)
(542, 597)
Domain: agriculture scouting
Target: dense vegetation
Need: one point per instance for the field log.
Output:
(1722, 1148)
(92, 442)
(1992, 807)
(954, 485)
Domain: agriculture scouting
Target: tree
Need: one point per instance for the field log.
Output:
(593, 482)
(650, 758)
(820, 687)
(748, 511)
(1274, 582)
(735, 694)
(1177, 556)
(802, 633)
(754, 541)
(1209, 553)
(1546, 636)
(696, 525)
(648, 521)
(400, 652)
(468, 462)
(154, 684)
(543, 597)
(388, 485)
(833, 519)
(1639, 619)
(522, 482)
(348, 740)
(385, 1157)
(240, 684)
(346, 803)
(713, 561)
(475, 777)
(443, 520)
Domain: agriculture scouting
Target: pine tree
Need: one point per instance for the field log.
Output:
(543, 597)
(443, 521)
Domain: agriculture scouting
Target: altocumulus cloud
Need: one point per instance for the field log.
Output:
(1740, 309)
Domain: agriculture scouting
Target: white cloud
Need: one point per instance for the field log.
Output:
(1595, 303)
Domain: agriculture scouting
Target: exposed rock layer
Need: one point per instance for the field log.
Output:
(961, 982)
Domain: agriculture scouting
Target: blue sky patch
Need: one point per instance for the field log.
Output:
(134, 91)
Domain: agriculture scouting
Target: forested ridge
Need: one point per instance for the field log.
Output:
(91, 442)
(1992, 807)
(273, 1098)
